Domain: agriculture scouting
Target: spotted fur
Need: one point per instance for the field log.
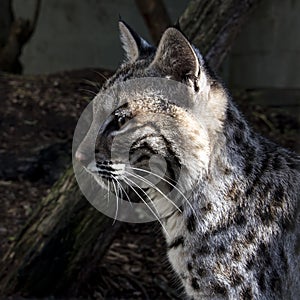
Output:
(239, 237)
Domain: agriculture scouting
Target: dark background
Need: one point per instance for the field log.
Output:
(43, 93)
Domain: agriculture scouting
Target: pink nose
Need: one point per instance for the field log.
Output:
(81, 156)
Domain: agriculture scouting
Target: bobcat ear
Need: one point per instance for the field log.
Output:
(133, 45)
(176, 57)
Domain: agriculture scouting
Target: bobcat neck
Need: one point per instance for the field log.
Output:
(235, 240)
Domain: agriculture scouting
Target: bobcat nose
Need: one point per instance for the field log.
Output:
(82, 157)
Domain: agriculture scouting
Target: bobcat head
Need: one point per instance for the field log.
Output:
(166, 120)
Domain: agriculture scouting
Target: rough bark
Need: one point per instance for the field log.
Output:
(212, 26)
(66, 237)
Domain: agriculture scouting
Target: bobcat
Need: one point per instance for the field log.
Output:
(236, 234)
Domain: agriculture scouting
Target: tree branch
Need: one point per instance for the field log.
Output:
(19, 34)
(35, 18)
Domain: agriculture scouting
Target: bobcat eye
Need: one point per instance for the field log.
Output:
(122, 120)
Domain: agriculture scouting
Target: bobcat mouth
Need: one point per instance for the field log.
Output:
(107, 169)
(131, 184)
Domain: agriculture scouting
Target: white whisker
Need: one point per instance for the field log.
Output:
(145, 195)
(160, 177)
(123, 190)
(92, 83)
(108, 192)
(117, 208)
(160, 222)
(101, 75)
(154, 187)
(91, 92)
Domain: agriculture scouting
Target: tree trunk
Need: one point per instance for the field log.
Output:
(212, 26)
(66, 237)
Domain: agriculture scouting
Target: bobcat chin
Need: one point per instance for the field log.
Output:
(235, 235)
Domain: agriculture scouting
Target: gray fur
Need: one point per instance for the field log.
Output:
(240, 239)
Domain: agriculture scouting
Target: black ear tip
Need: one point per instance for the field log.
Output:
(126, 25)
(132, 32)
